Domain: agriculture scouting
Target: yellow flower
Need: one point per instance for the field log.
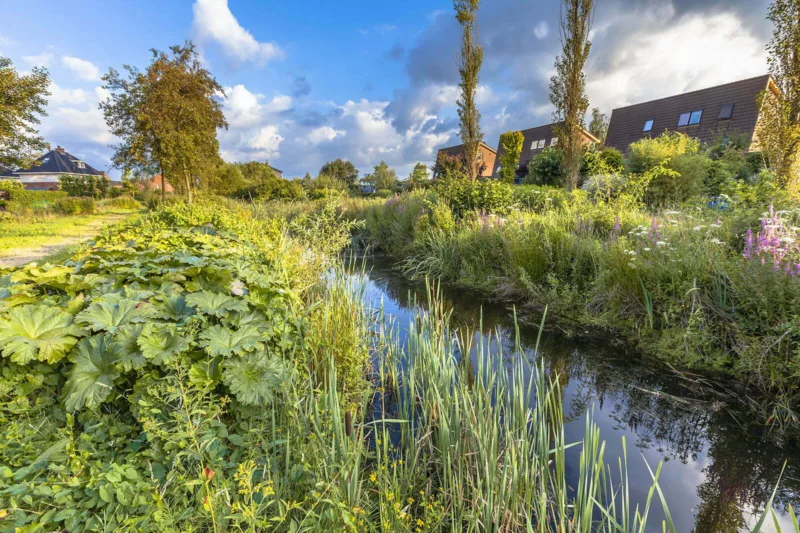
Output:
(373, 477)
(410, 500)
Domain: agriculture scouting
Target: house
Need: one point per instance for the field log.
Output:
(278, 173)
(706, 114)
(154, 184)
(486, 157)
(44, 175)
(366, 188)
(536, 140)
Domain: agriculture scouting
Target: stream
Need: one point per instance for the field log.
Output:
(719, 467)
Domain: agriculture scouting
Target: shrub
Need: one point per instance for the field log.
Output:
(546, 168)
(718, 179)
(383, 193)
(121, 202)
(646, 154)
(11, 185)
(605, 161)
(93, 186)
(537, 198)
(75, 206)
(605, 186)
(279, 188)
(463, 195)
(690, 171)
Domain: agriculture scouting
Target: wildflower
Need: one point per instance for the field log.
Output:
(373, 477)
(617, 226)
(661, 243)
(237, 288)
(646, 249)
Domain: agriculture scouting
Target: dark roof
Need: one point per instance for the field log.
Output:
(531, 135)
(627, 123)
(279, 171)
(58, 161)
(459, 149)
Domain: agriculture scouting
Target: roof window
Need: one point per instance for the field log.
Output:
(726, 112)
(648, 125)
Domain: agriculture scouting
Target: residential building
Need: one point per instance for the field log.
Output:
(154, 184)
(706, 114)
(486, 157)
(536, 140)
(278, 173)
(43, 176)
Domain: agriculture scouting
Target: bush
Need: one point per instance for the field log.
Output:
(538, 198)
(547, 168)
(384, 193)
(605, 161)
(646, 154)
(92, 186)
(75, 206)
(279, 188)
(464, 195)
(121, 202)
(690, 171)
(605, 186)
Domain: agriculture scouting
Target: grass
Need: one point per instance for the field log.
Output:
(26, 233)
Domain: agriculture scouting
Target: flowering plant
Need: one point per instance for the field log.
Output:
(775, 243)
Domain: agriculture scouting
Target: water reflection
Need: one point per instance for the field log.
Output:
(719, 471)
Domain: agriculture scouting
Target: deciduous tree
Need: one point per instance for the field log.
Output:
(22, 102)
(383, 177)
(342, 170)
(778, 134)
(511, 149)
(568, 86)
(419, 176)
(599, 125)
(471, 61)
(167, 119)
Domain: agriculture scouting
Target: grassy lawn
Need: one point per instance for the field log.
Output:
(26, 234)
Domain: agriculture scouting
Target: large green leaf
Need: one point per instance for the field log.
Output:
(37, 332)
(255, 377)
(162, 342)
(174, 308)
(219, 340)
(216, 303)
(130, 355)
(93, 373)
(112, 312)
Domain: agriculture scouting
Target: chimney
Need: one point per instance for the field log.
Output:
(60, 150)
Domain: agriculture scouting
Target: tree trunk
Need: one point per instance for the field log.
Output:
(163, 189)
(188, 181)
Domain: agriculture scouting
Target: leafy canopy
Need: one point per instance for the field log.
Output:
(23, 100)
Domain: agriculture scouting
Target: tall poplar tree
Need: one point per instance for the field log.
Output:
(471, 61)
(511, 145)
(778, 135)
(568, 86)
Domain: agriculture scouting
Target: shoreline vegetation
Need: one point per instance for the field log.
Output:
(198, 370)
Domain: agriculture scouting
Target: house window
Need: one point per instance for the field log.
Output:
(554, 141)
(534, 145)
(695, 118)
(480, 156)
(648, 125)
(684, 119)
(81, 164)
(726, 112)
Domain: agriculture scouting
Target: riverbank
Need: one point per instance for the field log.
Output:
(703, 289)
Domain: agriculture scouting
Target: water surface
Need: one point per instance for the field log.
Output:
(719, 467)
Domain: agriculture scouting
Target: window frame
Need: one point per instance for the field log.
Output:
(699, 118)
(681, 123)
(651, 122)
(731, 107)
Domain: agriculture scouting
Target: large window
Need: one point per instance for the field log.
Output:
(696, 116)
(726, 112)
(684, 119)
(648, 125)
(691, 118)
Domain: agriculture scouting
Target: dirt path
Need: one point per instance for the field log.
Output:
(21, 256)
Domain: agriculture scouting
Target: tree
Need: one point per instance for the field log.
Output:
(471, 61)
(778, 134)
(22, 102)
(510, 149)
(599, 125)
(167, 119)
(568, 86)
(419, 176)
(383, 177)
(342, 170)
(449, 166)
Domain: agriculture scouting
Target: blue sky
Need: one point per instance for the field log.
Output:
(309, 81)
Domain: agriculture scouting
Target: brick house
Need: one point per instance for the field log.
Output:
(706, 114)
(154, 184)
(536, 140)
(43, 176)
(486, 157)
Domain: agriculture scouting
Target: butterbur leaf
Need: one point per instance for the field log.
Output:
(38, 332)
(93, 373)
(255, 377)
(219, 340)
(111, 313)
(174, 308)
(162, 342)
(130, 356)
(206, 373)
(215, 303)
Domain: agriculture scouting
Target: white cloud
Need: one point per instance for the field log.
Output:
(81, 68)
(60, 95)
(694, 53)
(42, 60)
(278, 103)
(322, 134)
(541, 30)
(213, 21)
(241, 107)
(267, 143)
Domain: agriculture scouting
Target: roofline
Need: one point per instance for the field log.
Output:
(58, 173)
(695, 91)
(585, 131)
(462, 144)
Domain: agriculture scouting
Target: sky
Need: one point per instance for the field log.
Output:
(308, 81)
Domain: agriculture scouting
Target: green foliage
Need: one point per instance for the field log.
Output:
(465, 196)
(383, 177)
(75, 206)
(84, 185)
(24, 102)
(419, 177)
(469, 69)
(511, 149)
(547, 168)
(340, 170)
(449, 166)
(37, 332)
(599, 125)
(646, 154)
